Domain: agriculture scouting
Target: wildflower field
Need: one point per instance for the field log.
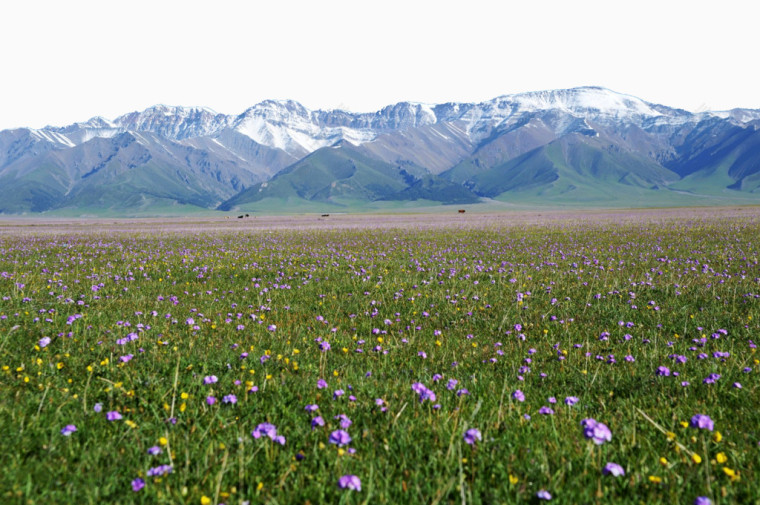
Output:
(566, 361)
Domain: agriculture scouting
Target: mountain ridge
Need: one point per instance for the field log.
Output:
(464, 150)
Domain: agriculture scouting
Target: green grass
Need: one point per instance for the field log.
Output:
(457, 296)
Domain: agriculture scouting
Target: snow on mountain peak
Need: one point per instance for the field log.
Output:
(582, 101)
(174, 121)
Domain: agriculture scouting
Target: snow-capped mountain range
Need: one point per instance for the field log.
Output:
(218, 155)
(288, 125)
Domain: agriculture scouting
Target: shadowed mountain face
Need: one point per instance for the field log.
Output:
(582, 146)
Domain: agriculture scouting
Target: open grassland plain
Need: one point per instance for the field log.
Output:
(603, 357)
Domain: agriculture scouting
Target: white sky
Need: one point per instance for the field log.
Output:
(68, 60)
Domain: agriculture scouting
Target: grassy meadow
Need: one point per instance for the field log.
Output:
(418, 364)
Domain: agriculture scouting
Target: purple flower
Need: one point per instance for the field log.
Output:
(613, 469)
(159, 470)
(547, 411)
(321, 384)
(113, 415)
(518, 395)
(598, 432)
(451, 384)
(340, 437)
(423, 392)
(311, 408)
(98, 407)
(44, 341)
(210, 400)
(317, 421)
(345, 422)
(663, 371)
(229, 399)
(463, 391)
(210, 379)
(67, 430)
(702, 422)
(138, 484)
(155, 450)
(265, 429)
(711, 379)
(544, 495)
(338, 393)
(702, 500)
(472, 435)
(350, 482)
(571, 400)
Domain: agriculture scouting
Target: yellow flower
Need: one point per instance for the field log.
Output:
(721, 457)
(260, 486)
(163, 441)
(671, 436)
(513, 480)
(717, 437)
(684, 424)
(205, 500)
(184, 396)
(655, 479)
(130, 423)
(59, 365)
(733, 474)
(663, 462)
(696, 458)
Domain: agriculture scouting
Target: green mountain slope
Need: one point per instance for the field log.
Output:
(344, 175)
(575, 167)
